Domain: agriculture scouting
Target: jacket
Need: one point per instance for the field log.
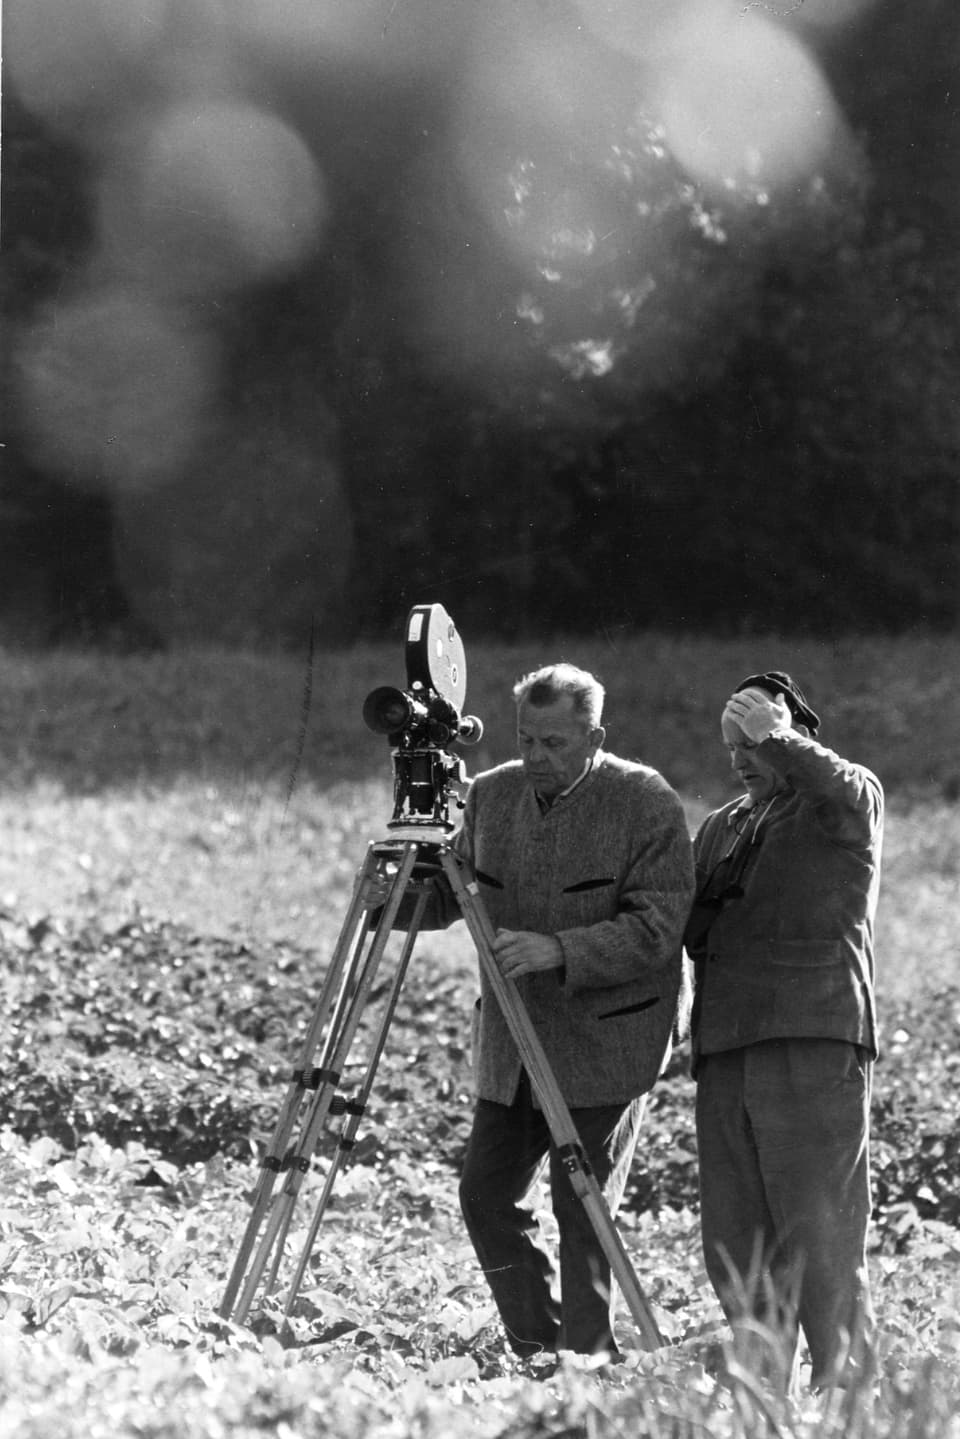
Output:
(608, 870)
(787, 949)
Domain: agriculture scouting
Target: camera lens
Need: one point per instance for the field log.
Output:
(386, 710)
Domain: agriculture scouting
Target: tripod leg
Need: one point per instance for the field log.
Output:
(343, 1028)
(275, 1159)
(557, 1114)
(356, 1107)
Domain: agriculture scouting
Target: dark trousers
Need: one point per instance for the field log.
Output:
(506, 1153)
(783, 1141)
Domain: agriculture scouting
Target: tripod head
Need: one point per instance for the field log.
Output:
(423, 721)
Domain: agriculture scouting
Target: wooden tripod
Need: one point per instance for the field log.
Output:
(403, 865)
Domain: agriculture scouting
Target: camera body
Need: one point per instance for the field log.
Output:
(423, 720)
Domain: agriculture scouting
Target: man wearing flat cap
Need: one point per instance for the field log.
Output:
(783, 1029)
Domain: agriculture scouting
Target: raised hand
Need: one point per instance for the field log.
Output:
(757, 714)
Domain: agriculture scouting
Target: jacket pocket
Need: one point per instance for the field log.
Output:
(630, 1008)
(804, 953)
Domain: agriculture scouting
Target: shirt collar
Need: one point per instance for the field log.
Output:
(740, 811)
(548, 804)
(751, 809)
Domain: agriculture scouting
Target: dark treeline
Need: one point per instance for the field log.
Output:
(793, 467)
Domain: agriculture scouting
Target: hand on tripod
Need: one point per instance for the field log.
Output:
(377, 888)
(524, 952)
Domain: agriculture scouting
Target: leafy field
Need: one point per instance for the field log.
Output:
(181, 834)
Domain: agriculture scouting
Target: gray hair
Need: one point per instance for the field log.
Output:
(552, 682)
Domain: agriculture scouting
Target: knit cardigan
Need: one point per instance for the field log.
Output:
(608, 870)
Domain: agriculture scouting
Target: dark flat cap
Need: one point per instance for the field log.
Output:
(777, 682)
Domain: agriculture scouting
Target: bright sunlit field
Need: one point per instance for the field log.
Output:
(180, 837)
(236, 793)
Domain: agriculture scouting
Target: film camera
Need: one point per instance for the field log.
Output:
(423, 720)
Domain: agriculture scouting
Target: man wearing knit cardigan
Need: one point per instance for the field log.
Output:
(584, 864)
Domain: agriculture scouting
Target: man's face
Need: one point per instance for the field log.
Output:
(760, 780)
(555, 743)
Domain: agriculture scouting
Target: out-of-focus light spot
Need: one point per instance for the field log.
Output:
(654, 30)
(453, 289)
(254, 539)
(113, 390)
(755, 113)
(68, 55)
(392, 37)
(544, 77)
(215, 195)
(560, 215)
(535, 129)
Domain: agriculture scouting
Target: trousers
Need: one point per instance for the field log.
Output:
(783, 1144)
(544, 1309)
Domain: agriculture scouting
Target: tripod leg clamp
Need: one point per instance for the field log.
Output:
(313, 1078)
(572, 1158)
(280, 1163)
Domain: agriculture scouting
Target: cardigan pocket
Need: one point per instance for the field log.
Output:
(585, 884)
(487, 879)
(630, 1008)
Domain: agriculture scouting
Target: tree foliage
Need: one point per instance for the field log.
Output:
(755, 428)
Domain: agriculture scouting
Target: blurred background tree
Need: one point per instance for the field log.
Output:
(565, 313)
